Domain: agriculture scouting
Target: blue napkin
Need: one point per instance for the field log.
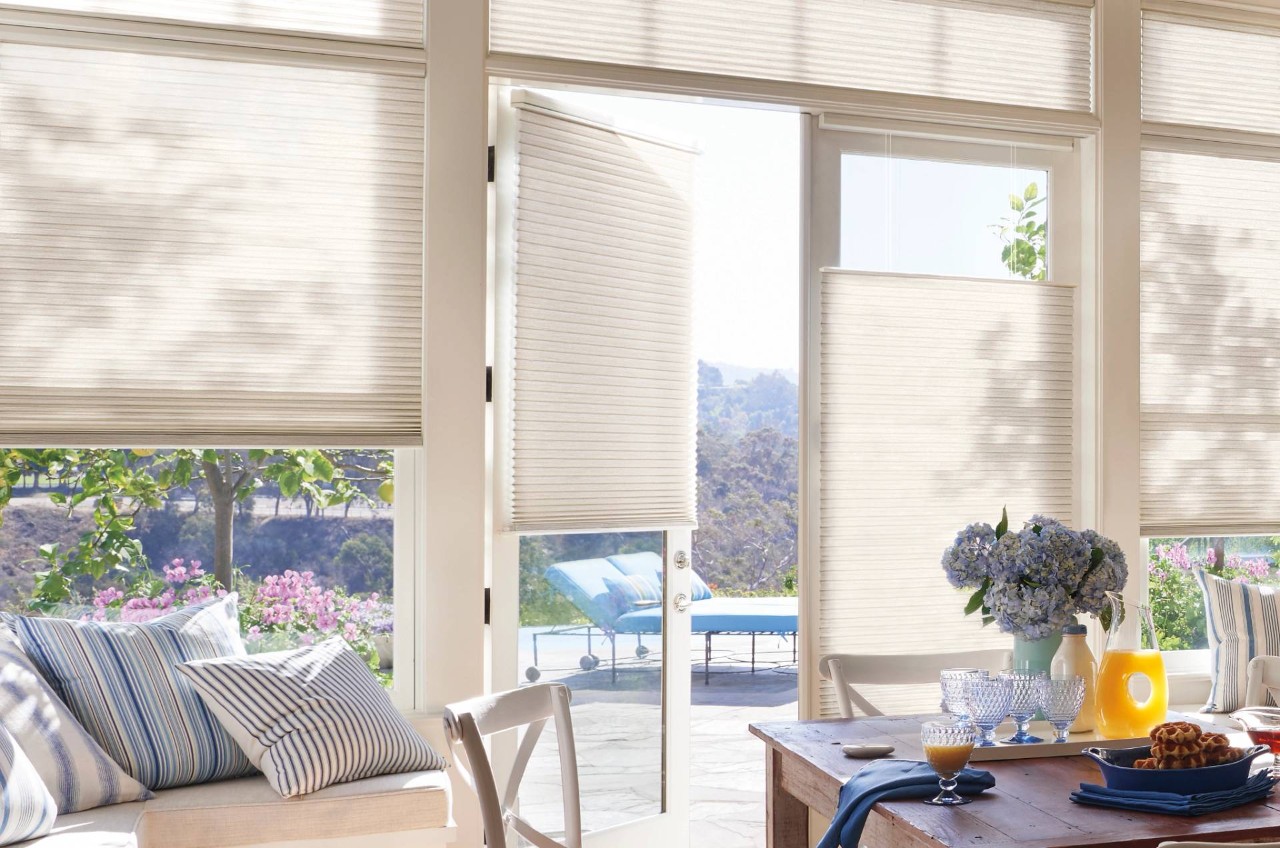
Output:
(1258, 786)
(887, 780)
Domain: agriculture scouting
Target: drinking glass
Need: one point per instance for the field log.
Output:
(1059, 699)
(953, 695)
(1023, 703)
(947, 746)
(987, 701)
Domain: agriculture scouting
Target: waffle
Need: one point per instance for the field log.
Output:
(1183, 745)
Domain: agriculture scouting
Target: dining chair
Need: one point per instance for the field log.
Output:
(466, 725)
(1263, 687)
(847, 670)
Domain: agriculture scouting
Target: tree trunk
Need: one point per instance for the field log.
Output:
(224, 513)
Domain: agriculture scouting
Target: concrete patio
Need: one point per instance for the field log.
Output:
(618, 733)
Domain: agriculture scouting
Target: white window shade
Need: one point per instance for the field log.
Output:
(1024, 52)
(1210, 73)
(943, 401)
(205, 252)
(1210, 336)
(374, 20)
(597, 382)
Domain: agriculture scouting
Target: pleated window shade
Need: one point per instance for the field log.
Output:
(198, 252)
(397, 21)
(1210, 336)
(1209, 73)
(943, 400)
(1023, 52)
(599, 412)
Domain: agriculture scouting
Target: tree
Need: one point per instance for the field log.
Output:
(1025, 237)
(119, 484)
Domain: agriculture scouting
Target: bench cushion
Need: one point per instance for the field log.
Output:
(105, 827)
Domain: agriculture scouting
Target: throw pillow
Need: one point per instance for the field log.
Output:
(27, 810)
(311, 717)
(649, 562)
(72, 765)
(629, 592)
(1241, 620)
(121, 680)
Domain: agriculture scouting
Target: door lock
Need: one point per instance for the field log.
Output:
(681, 602)
(682, 559)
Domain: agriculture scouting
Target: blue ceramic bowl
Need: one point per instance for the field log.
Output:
(1119, 773)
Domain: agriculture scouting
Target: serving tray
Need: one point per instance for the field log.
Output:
(1075, 743)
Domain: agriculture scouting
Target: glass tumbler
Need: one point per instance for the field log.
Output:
(953, 694)
(1023, 703)
(987, 701)
(947, 746)
(1060, 698)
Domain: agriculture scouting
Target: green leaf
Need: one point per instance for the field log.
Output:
(323, 468)
(1003, 526)
(1031, 192)
(290, 482)
(975, 600)
(1016, 203)
(987, 619)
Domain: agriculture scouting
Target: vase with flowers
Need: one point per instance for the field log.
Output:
(1033, 582)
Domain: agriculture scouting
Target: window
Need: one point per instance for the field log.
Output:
(306, 537)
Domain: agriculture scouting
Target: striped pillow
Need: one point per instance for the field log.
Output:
(27, 810)
(121, 680)
(1243, 622)
(73, 766)
(311, 717)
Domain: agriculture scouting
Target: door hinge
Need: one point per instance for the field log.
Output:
(486, 604)
(488, 384)
(492, 158)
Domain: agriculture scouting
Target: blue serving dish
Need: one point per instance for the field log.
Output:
(1119, 773)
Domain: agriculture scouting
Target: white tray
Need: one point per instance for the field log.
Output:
(1075, 743)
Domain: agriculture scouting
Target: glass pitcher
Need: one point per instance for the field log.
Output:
(1132, 653)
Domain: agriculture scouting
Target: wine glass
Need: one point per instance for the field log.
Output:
(1060, 699)
(987, 701)
(953, 694)
(1023, 703)
(947, 746)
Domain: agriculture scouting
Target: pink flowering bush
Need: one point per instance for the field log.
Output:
(280, 612)
(1176, 601)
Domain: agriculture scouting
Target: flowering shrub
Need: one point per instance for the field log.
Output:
(1177, 605)
(1034, 581)
(281, 611)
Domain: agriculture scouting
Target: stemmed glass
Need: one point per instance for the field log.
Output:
(947, 746)
(987, 701)
(1023, 703)
(1060, 699)
(953, 693)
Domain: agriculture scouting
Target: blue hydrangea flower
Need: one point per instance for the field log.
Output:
(968, 561)
(1033, 612)
(1109, 576)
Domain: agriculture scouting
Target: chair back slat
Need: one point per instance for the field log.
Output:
(848, 671)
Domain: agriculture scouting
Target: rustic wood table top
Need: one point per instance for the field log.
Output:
(1029, 806)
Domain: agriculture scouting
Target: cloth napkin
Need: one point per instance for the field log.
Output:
(1258, 786)
(887, 780)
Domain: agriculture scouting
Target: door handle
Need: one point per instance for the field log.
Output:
(681, 602)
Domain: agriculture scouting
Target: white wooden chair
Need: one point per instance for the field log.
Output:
(1263, 680)
(467, 723)
(847, 670)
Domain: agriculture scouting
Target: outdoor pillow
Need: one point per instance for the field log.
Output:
(1243, 622)
(648, 562)
(632, 591)
(311, 717)
(27, 810)
(72, 765)
(121, 680)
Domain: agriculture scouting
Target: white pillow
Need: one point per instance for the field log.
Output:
(311, 717)
(27, 810)
(1243, 622)
(72, 765)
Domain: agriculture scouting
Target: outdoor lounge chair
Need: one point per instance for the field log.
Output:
(587, 584)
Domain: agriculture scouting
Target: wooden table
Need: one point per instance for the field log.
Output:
(1029, 806)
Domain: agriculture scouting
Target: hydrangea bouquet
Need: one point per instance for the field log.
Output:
(1032, 582)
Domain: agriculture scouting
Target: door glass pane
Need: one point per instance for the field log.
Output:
(920, 216)
(591, 617)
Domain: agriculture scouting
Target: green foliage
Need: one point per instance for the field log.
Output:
(1177, 608)
(1025, 235)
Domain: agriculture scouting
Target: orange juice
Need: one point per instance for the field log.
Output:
(948, 759)
(1120, 715)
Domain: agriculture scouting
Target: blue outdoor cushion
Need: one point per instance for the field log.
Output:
(723, 615)
(583, 582)
(633, 591)
(648, 562)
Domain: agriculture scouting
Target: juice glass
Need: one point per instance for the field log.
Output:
(947, 746)
(1131, 652)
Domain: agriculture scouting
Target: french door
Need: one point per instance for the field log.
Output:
(590, 444)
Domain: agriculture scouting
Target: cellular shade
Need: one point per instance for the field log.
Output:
(206, 252)
(376, 20)
(1210, 73)
(1210, 335)
(599, 408)
(943, 400)
(1025, 52)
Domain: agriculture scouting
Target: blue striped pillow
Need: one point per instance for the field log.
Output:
(121, 681)
(1243, 622)
(311, 717)
(72, 765)
(27, 810)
